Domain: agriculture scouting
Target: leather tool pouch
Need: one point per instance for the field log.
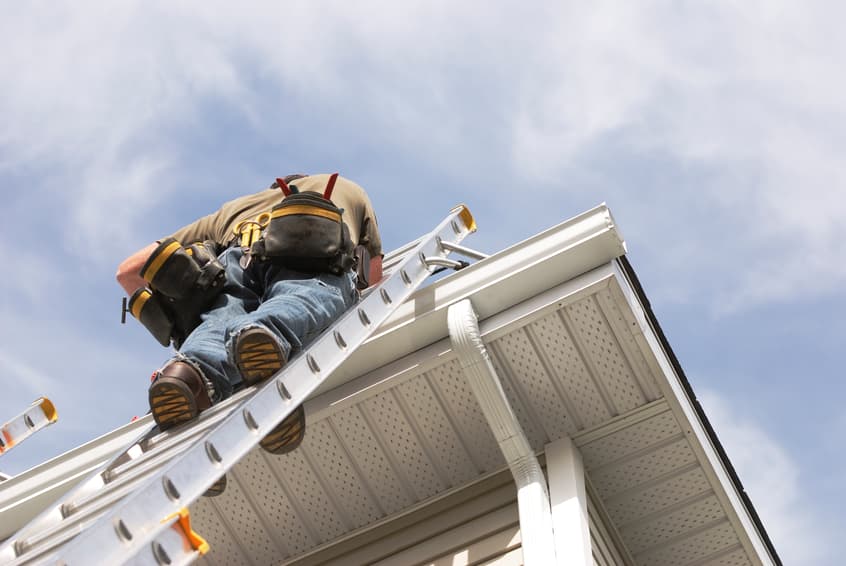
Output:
(183, 283)
(151, 310)
(362, 267)
(306, 233)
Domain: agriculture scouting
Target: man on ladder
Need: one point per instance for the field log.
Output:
(262, 276)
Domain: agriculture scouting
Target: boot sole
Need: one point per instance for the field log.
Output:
(258, 356)
(287, 435)
(171, 403)
(217, 487)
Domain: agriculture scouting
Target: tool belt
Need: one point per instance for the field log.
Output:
(306, 233)
(183, 282)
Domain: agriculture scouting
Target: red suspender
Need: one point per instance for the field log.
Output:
(283, 185)
(330, 186)
(327, 194)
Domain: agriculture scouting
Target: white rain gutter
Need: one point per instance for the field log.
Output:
(507, 278)
(532, 495)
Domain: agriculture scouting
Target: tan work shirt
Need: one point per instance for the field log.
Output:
(221, 226)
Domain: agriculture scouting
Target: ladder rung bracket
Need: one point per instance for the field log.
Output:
(466, 252)
(127, 528)
(450, 263)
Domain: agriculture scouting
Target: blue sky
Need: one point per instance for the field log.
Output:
(714, 131)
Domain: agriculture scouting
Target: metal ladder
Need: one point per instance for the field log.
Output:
(134, 509)
(39, 415)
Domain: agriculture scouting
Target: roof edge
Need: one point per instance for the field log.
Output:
(502, 280)
(652, 320)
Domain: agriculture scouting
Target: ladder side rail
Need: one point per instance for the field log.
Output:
(395, 256)
(52, 515)
(83, 511)
(164, 444)
(130, 525)
(125, 466)
(391, 260)
(98, 488)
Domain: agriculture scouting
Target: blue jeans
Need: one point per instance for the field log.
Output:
(295, 307)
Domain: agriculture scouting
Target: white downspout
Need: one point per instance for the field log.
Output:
(532, 495)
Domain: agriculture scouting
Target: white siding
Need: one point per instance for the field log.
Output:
(475, 526)
(603, 544)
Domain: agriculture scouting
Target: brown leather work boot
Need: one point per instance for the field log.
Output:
(177, 395)
(259, 356)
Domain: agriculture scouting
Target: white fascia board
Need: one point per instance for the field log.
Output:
(25, 495)
(495, 284)
(676, 396)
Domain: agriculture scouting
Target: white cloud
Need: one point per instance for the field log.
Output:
(81, 367)
(749, 90)
(93, 105)
(105, 215)
(28, 283)
(19, 373)
(774, 482)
